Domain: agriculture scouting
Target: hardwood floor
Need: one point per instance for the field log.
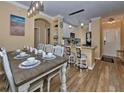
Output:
(2, 84)
(104, 77)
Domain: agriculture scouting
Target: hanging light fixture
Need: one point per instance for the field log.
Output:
(111, 20)
(35, 8)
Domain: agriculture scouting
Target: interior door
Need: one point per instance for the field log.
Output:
(48, 33)
(36, 37)
(47, 36)
(111, 41)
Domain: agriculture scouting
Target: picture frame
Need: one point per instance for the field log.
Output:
(17, 25)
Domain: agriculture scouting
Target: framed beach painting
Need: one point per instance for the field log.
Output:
(17, 25)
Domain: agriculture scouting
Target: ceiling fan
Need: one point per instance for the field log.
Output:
(73, 13)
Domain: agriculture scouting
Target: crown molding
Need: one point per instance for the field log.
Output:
(17, 4)
(96, 18)
(59, 16)
(43, 14)
(25, 7)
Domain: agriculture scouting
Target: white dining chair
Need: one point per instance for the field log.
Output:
(40, 46)
(34, 86)
(49, 48)
(81, 59)
(31, 49)
(7, 70)
(35, 51)
(59, 51)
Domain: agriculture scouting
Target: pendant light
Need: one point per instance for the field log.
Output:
(35, 8)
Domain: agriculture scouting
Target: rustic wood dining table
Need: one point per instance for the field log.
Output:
(24, 77)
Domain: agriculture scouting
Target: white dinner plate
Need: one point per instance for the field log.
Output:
(29, 63)
(29, 67)
(21, 57)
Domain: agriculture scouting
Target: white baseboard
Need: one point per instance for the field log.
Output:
(99, 58)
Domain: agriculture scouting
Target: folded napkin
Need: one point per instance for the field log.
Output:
(28, 47)
(31, 49)
(35, 51)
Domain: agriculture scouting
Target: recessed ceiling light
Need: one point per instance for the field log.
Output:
(70, 26)
(82, 24)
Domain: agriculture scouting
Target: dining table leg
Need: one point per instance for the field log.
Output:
(63, 78)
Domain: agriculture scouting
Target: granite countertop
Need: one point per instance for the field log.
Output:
(84, 47)
(89, 47)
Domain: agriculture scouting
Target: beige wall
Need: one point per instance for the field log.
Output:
(13, 42)
(122, 34)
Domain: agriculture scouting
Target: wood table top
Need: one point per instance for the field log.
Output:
(22, 76)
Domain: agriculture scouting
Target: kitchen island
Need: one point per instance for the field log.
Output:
(89, 51)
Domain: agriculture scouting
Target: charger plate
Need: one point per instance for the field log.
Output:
(22, 66)
(21, 57)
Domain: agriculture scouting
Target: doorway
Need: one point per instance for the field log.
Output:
(48, 35)
(111, 36)
(111, 39)
(41, 32)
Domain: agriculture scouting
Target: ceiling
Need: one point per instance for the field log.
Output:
(92, 9)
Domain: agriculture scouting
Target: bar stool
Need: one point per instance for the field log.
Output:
(81, 59)
(70, 54)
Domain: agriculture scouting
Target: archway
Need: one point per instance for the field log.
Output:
(41, 31)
